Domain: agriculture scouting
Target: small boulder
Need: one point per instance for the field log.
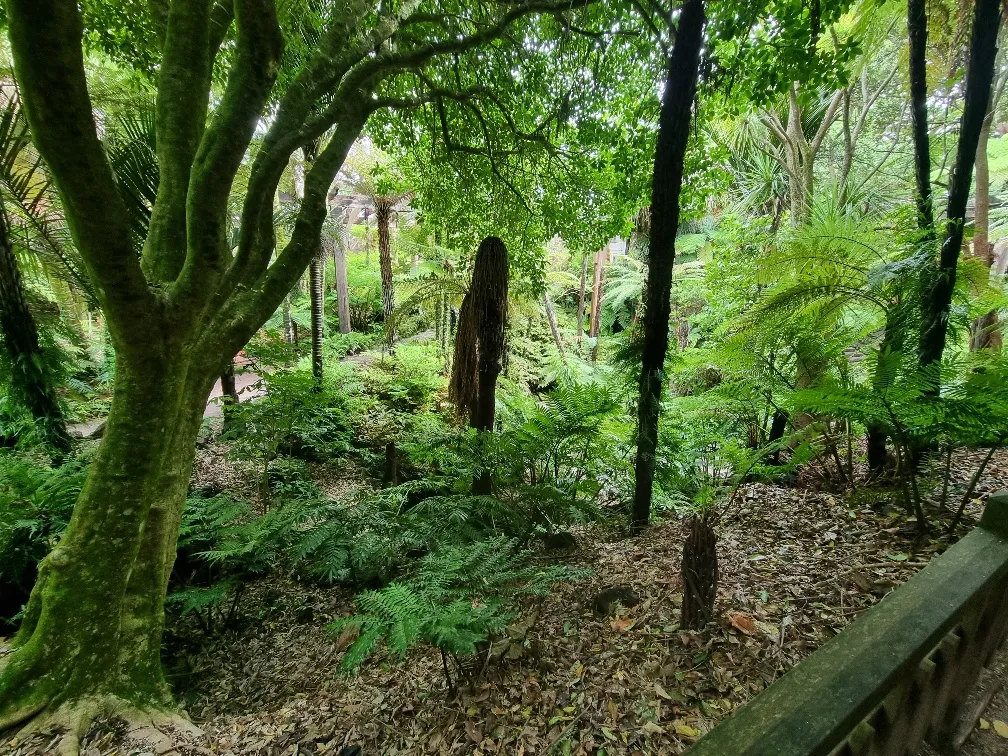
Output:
(606, 602)
(561, 541)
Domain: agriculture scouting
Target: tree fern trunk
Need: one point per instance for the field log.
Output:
(317, 276)
(229, 394)
(480, 343)
(673, 134)
(699, 574)
(30, 376)
(777, 427)
(229, 388)
(288, 322)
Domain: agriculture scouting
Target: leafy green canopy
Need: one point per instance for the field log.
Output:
(528, 146)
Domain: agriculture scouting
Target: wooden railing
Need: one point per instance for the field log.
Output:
(899, 674)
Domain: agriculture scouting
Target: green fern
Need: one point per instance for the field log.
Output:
(454, 600)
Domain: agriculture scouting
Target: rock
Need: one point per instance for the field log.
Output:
(605, 603)
(562, 541)
(91, 430)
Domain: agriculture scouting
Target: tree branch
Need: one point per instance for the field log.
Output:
(221, 17)
(183, 95)
(824, 127)
(45, 37)
(260, 45)
(773, 123)
(252, 306)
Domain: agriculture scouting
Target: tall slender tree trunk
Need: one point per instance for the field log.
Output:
(598, 278)
(917, 32)
(673, 135)
(446, 317)
(229, 387)
(581, 298)
(984, 333)
(894, 339)
(551, 319)
(229, 393)
(342, 290)
(979, 76)
(367, 239)
(30, 375)
(383, 218)
(316, 269)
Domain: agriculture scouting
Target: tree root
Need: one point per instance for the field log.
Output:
(71, 721)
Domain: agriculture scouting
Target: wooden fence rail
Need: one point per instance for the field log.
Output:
(897, 675)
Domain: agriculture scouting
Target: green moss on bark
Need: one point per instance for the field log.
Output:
(95, 619)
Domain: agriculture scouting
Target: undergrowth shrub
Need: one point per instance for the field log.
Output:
(224, 545)
(550, 463)
(406, 380)
(339, 345)
(364, 288)
(453, 599)
(36, 502)
(294, 417)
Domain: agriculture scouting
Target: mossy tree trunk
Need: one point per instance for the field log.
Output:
(93, 624)
(673, 135)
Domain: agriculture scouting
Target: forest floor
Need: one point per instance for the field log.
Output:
(796, 566)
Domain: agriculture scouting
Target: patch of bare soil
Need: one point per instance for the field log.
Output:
(796, 567)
